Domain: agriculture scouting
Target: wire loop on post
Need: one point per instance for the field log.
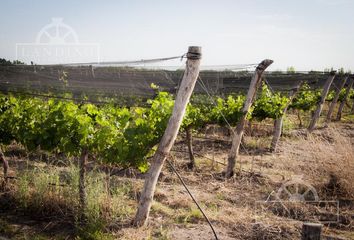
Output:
(333, 73)
(194, 55)
(264, 64)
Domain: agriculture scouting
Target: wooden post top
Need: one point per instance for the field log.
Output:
(194, 53)
(264, 64)
(333, 73)
(312, 224)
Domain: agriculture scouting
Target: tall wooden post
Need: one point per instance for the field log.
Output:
(278, 123)
(82, 185)
(5, 165)
(352, 109)
(347, 92)
(236, 141)
(335, 99)
(318, 111)
(184, 93)
(189, 139)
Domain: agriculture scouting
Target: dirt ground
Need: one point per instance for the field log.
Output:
(254, 204)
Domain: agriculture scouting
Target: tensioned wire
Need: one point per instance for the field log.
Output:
(223, 116)
(166, 75)
(132, 79)
(121, 63)
(110, 86)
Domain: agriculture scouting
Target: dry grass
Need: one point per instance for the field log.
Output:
(325, 159)
(43, 191)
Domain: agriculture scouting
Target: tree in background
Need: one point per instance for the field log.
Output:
(4, 62)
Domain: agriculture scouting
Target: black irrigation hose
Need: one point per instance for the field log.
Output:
(194, 200)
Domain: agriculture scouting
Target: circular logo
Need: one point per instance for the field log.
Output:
(57, 33)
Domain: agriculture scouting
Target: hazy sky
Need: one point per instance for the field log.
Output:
(306, 34)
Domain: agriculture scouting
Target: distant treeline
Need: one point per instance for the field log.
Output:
(4, 62)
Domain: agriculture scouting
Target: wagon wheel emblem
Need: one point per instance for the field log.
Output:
(57, 33)
(297, 190)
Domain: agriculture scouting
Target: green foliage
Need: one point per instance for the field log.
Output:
(341, 71)
(126, 136)
(343, 92)
(351, 94)
(4, 62)
(21, 120)
(330, 96)
(227, 110)
(290, 69)
(63, 77)
(269, 105)
(306, 99)
(145, 129)
(6, 135)
(197, 115)
(114, 135)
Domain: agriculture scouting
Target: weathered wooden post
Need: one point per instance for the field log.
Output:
(189, 139)
(82, 185)
(237, 137)
(5, 165)
(352, 108)
(318, 111)
(311, 231)
(335, 99)
(184, 93)
(92, 71)
(347, 92)
(278, 123)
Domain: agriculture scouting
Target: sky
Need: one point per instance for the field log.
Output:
(305, 34)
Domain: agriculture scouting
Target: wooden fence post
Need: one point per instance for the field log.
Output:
(278, 123)
(82, 185)
(189, 139)
(318, 111)
(92, 71)
(311, 231)
(335, 99)
(255, 83)
(341, 106)
(5, 165)
(184, 93)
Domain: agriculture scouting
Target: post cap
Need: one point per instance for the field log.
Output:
(194, 52)
(312, 224)
(264, 64)
(333, 72)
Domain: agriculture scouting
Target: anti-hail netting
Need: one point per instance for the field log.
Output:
(131, 81)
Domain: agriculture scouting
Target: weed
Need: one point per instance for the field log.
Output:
(160, 234)
(192, 215)
(96, 235)
(23, 189)
(158, 207)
